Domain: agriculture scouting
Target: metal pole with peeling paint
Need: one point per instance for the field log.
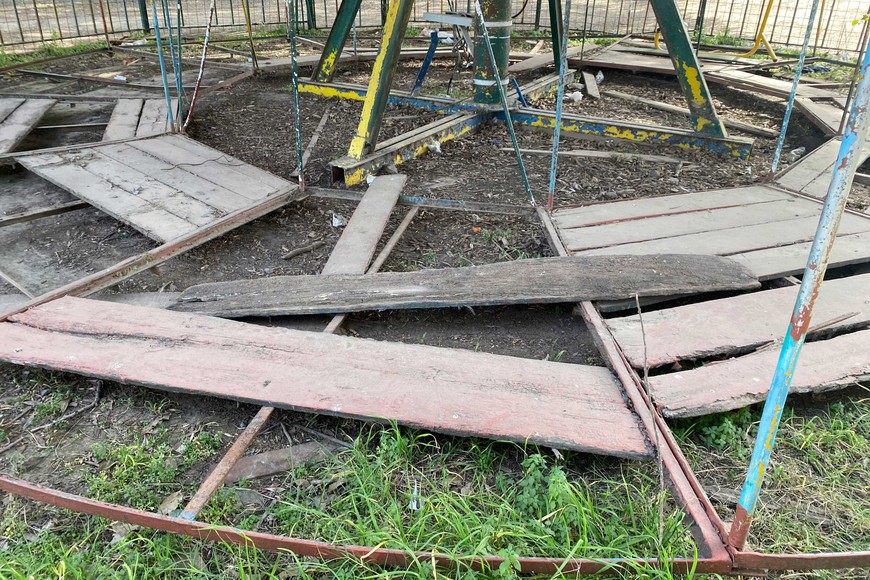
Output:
(378, 92)
(703, 113)
(847, 162)
(794, 87)
(341, 27)
(495, 15)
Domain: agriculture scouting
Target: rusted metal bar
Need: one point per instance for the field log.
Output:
(217, 476)
(835, 203)
(40, 213)
(308, 548)
(131, 266)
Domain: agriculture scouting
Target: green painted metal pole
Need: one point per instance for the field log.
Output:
(378, 91)
(143, 14)
(556, 30)
(341, 27)
(497, 15)
(704, 117)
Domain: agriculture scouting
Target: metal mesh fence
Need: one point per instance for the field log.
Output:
(25, 23)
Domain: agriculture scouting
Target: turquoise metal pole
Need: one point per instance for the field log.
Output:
(794, 86)
(560, 95)
(835, 203)
(162, 63)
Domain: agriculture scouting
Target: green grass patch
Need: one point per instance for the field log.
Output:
(48, 50)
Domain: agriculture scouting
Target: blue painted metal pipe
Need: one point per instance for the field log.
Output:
(560, 96)
(294, 85)
(835, 203)
(162, 63)
(794, 87)
(424, 68)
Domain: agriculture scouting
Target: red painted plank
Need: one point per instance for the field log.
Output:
(738, 382)
(451, 391)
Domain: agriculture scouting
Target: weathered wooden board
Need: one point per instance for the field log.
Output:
(21, 121)
(452, 391)
(812, 174)
(540, 60)
(736, 324)
(591, 85)
(542, 280)
(124, 119)
(7, 106)
(154, 119)
(627, 232)
(356, 246)
(279, 460)
(825, 116)
(823, 365)
(737, 240)
(790, 260)
(611, 212)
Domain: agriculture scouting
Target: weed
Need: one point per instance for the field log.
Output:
(47, 50)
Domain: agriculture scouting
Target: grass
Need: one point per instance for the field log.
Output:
(48, 50)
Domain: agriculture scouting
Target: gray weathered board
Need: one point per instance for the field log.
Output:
(738, 323)
(811, 174)
(138, 118)
(164, 186)
(541, 280)
(446, 390)
(713, 388)
(17, 118)
(766, 229)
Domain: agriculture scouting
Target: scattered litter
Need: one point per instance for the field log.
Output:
(339, 221)
(576, 96)
(599, 78)
(121, 78)
(577, 86)
(796, 154)
(415, 502)
(369, 180)
(435, 146)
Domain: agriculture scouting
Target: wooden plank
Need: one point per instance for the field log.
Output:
(593, 154)
(735, 324)
(154, 119)
(741, 79)
(824, 365)
(540, 61)
(124, 120)
(656, 228)
(591, 85)
(21, 121)
(825, 116)
(206, 153)
(211, 165)
(542, 280)
(737, 240)
(450, 391)
(177, 177)
(610, 212)
(789, 260)
(356, 246)
(279, 460)
(7, 106)
(819, 161)
(729, 123)
(69, 173)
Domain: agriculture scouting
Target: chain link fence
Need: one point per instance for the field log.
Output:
(24, 24)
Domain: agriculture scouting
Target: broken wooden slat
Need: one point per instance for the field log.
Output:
(824, 365)
(591, 85)
(70, 173)
(124, 120)
(179, 178)
(737, 240)
(7, 106)
(451, 391)
(627, 232)
(729, 123)
(154, 119)
(825, 116)
(540, 61)
(21, 121)
(213, 166)
(592, 154)
(819, 161)
(735, 324)
(610, 212)
(790, 260)
(357, 244)
(278, 460)
(542, 280)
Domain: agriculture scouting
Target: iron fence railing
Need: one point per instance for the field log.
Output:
(26, 23)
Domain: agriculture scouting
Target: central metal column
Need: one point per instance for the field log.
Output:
(497, 14)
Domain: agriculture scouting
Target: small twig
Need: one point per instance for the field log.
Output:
(320, 435)
(655, 426)
(312, 143)
(303, 250)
